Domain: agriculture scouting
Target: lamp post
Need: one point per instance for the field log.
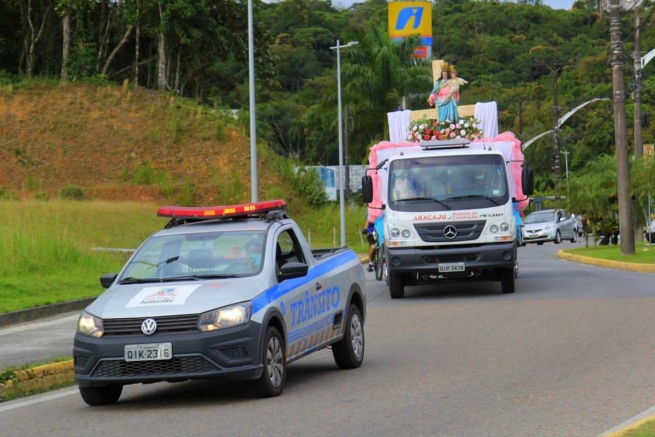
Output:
(253, 126)
(342, 210)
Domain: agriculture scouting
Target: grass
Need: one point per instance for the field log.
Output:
(644, 254)
(45, 249)
(645, 430)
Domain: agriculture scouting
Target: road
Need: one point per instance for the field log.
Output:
(569, 354)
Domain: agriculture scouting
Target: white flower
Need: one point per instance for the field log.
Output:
(414, 128)
(463, 132)
(422, 126)
(458, 136)
(466, 125)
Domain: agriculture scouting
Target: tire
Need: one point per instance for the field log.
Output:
(349, 351)
(96, 396)
(574, 239)
(396, 286)
(541, 243)
(558, 237)
(385, 272)
(507, 280)
(378, 265)
(274, 359)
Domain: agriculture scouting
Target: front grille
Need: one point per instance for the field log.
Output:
(165, 325)
(434, 232)
(467, 257)
(235, 353)
(80, 360)
(175, 366)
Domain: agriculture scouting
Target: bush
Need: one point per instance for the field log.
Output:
(41, 195)
(310, 187)
(71, 192)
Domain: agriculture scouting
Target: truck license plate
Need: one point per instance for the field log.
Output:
(451, 267)
(148, 352)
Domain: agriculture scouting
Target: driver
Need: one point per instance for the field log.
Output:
(481, 178)
(235, 252)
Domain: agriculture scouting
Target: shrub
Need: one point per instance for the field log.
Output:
(310, 187)
(72, 192)
(41, 195)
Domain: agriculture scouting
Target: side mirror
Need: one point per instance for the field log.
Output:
(107, 279)
(527, 181)
(292, 270)
(367, 189)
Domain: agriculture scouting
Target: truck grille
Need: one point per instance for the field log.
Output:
(434, 232)
(165, 325)
(175, 366)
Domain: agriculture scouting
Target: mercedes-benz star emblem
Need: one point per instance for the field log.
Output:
(149, 326)
(450, 232)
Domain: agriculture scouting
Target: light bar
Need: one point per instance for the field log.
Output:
(445, 144)
(210, 212)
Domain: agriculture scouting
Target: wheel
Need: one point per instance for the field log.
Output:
(378, 264)
(558, 237)
(396, 286)
(574, 238)
(96, 396)
(385, 271)
(507, 277)
(349, 351)
(271, 383)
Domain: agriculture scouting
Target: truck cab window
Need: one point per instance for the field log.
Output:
(287, 249)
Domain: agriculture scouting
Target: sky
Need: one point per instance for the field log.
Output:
(555, 4)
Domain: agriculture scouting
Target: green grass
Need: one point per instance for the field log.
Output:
(45, 248)
(645, 430)
(644, 254)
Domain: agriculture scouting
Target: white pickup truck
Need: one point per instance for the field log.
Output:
(448, 212)
(222, 292)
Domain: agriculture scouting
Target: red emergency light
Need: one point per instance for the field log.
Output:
(210, 212)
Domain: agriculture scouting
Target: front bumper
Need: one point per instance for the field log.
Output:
(476, 258)
(539, 236)
(232, 353)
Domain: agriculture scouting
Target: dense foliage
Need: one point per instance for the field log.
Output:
(509, 52)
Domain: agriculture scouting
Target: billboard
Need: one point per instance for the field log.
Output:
(410, 19)
(330, 176)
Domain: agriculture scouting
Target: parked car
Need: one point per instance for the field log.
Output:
(549, 225)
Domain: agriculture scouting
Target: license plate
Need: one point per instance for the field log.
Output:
(148, 352)
(451, 267)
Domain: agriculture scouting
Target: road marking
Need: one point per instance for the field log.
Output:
(19, 404)
(37, 325)
(630, 424)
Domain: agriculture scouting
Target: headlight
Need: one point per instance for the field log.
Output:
(550, 226)
(90, 325)
(493, 229)
(405, 233)
(395, 233)
(225, 317)
(504, 227)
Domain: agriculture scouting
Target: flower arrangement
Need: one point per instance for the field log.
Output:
(430, 129)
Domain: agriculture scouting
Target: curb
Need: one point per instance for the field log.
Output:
(30, 314)
(631, 424)
(630, 267)
(37, 379)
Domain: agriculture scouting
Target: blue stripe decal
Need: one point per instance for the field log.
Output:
(279, 290)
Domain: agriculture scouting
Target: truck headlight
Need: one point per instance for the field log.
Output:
(493, 229)
(90, 325)
(405, 233)
(395, 232)
(224, 317)
(504, 226)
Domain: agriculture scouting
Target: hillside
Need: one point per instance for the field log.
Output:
(121, 144)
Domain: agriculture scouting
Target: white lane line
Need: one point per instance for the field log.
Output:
(37, 325)
(12, 405)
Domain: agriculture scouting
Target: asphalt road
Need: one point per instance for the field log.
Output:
(569, 354)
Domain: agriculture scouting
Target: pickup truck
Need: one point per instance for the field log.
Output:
(231, 292)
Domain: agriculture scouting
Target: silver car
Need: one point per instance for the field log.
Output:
(549, 225)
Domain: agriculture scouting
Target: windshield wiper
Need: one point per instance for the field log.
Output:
(133, 280)
(198, 277)
(413, 199)
(474, 196)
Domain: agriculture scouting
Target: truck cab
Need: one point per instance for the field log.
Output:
(448, 214)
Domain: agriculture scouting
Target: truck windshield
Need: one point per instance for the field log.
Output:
(196, 256)
(447, 182)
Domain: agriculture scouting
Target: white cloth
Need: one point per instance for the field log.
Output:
(487, 113)
(399, 125)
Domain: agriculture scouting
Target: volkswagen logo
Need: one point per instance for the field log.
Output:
(449, 232)
(149, 326)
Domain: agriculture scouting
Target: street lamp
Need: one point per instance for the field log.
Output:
(342, 210)
(253, 129)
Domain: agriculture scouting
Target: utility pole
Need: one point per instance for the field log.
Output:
(556, 159)
(566, 166)
(345, 153)
(620, 133)
(638, 145)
